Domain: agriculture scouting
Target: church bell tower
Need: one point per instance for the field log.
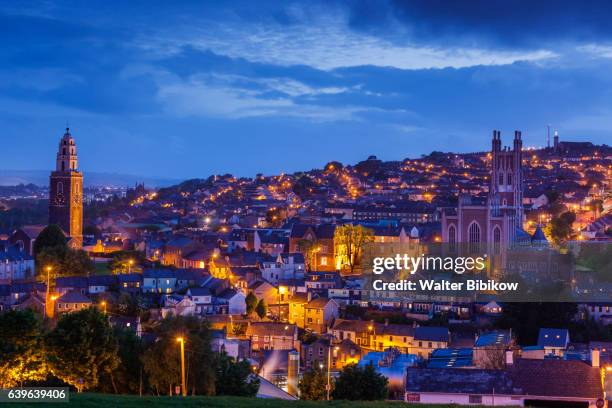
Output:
(66, 192)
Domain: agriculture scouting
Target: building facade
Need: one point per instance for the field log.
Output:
(496, 219)
(66, 192)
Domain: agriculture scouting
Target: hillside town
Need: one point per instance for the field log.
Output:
(272, 265)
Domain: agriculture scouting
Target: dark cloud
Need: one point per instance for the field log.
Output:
(519, 23)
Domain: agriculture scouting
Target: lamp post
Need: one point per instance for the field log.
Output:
(48, 269)
(328, 387)
(104, 306)
(281, 291)
(183, 388)
(372, 328)
(130, 262)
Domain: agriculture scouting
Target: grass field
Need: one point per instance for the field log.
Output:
(111, 401)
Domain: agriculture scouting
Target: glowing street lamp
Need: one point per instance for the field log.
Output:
(328, 386)
(48, 269)
(183, 387)
(103, 303)
(130, 263)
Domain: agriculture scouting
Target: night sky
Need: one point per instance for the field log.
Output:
(185, 89)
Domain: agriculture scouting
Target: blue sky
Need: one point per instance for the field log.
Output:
(187, 89)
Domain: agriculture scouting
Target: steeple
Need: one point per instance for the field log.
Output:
(67, 160)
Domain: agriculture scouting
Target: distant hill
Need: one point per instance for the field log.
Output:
(41, 178)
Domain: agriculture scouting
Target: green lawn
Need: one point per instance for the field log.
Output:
(102, 268)
(111, 401)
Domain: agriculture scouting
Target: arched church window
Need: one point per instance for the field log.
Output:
(509, 178)
(452, 238)
(60, 187)
(474, 233)
(501, 179)
(496, 239)
(452, 234)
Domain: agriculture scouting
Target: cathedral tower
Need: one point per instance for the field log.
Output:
(66, 192)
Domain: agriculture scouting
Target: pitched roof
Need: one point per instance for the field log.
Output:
(458, 380)
(71, 281)
(493, 338)
(102, 280)
(431, 333)
(553, 337)
(318, 303)
(73, 297)
(32, 231)
(199, 291)
(559, 378)
(129, 277)
(159, 273)
(542, 378)
(271, 329)
(538, 235)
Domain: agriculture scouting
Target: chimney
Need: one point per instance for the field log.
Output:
(595, 357)
(509, 357)
(293, 372)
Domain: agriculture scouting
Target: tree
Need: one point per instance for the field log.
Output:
(126, 261)
(127, 376)
(261, 309)
(526, 319)
(251, 302)
(560, 228)
(493, 357)
(51, 236)
(162, 364)
(597, 207)
(64, 262)
(82, 349)
(309, 249)
(235, 377)
(349, 241)
(313, 385)
(21, 349)
(360, 383)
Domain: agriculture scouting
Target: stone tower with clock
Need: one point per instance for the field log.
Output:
(66, 192)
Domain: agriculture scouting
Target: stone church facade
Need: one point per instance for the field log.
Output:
(496, 219)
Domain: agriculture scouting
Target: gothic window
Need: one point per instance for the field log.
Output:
(509, 178)
(452, 234)
(64, 151)
(63, 166)
(474, 233)
(452, 238)
(60, 188)
(496, 239)
(501, 179)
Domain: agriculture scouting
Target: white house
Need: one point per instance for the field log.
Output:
(15, 263)
(178, 306)
(285, 266)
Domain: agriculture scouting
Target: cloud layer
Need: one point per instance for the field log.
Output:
(273, 86)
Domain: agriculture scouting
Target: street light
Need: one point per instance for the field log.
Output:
(130, 262)
(183, 388)
(328, 387)
(281, 291)
(372, 329)
(48, 269)
(103, 306)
